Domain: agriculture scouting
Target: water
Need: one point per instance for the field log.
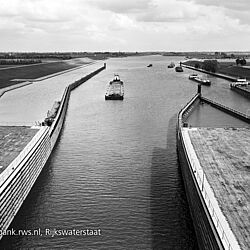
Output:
(115, 165)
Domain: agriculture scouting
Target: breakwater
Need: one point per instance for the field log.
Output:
(18, 178)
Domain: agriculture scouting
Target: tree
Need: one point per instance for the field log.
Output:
(243, 61)
(197, 65)
(210, 65)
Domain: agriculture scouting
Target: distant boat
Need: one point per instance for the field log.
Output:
(115, 90)
(171, 65)
(178, 69)
(150, 65)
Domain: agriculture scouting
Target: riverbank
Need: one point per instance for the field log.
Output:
(242, 90)
(229, 78)
(229, 70)
(14, 75)
(31, 81)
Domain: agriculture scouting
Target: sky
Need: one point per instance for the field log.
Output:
(124, 25)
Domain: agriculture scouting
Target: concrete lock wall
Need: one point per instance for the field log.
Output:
(18, 178)
(16, 188)
(207, 235)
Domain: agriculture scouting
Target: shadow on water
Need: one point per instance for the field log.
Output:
(170, 218)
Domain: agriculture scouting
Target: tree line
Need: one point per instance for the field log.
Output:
(19, 61)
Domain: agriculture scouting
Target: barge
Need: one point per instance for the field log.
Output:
(115, 89)
(24, 152)
(215, 164)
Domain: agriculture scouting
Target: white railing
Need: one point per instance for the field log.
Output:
(15, 163)
(223, 230)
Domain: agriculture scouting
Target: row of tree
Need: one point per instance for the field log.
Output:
(35, 55)
(208, 65)
(212, 65)
(19, 61)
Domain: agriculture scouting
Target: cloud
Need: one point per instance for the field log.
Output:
(128, 6)
(122, 25)
(170, 11)
(229, 4)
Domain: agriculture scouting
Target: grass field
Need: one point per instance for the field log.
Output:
(35, 71)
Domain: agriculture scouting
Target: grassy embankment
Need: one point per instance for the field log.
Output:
(35, 71)
(226, 68)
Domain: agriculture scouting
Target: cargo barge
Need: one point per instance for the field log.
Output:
(215, 163)
(115, 89)
(24, 152)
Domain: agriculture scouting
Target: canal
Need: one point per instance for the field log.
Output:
(115, 166)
